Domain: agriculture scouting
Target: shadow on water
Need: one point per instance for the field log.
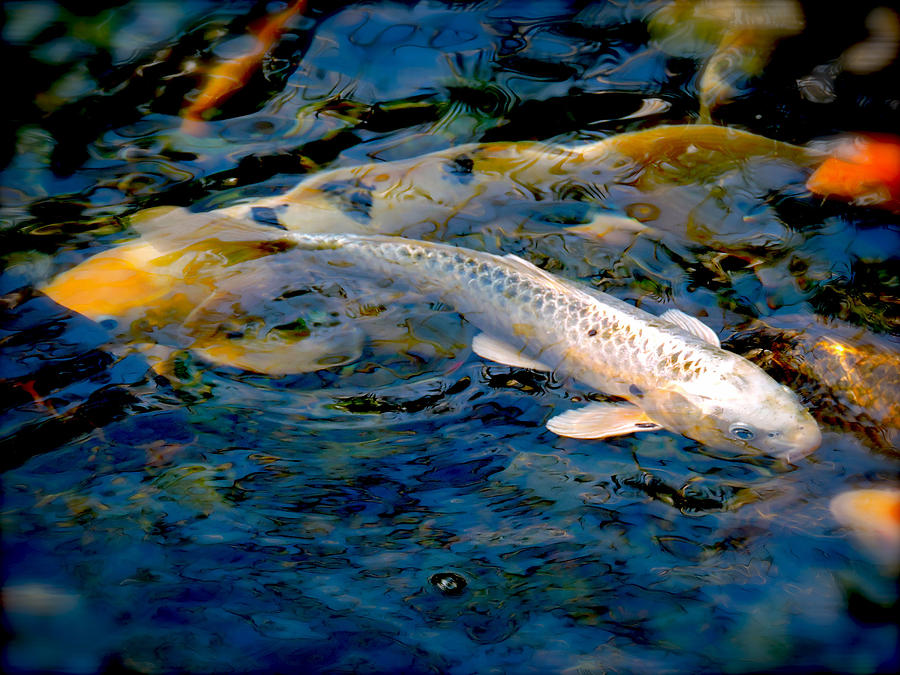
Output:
(404, 509)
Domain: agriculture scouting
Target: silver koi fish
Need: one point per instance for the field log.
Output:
(670, 369)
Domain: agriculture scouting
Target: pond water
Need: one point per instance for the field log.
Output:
(407, 511)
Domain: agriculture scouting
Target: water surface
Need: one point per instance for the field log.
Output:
(222, 521)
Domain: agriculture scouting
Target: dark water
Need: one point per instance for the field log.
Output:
(409, 512)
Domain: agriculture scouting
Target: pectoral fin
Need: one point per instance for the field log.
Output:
(602, 420)
(692, 325)
(492, 349)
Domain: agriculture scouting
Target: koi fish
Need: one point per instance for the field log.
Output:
(227, 77)
(852, 376)
(873, 515)
(168, 295)
(657, 180)
(670, 369)
(874, 53)
(741, 36)
(608, 185)
(865, 171)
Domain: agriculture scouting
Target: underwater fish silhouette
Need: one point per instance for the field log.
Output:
(167, 292)
(873, 515)
(656, 181)
(739, 37)
(607, 185)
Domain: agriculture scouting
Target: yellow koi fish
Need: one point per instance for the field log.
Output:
(419, 197)
(172, 294)
(741, 35)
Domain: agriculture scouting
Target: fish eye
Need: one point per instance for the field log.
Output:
(741, 432)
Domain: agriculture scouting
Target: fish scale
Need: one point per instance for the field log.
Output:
(495, 293)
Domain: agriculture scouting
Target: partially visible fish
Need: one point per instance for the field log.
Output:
(874, 53)
(873, 515)
(670, 369)
(612, 178)
(174, 291)
(227, 77)
(661, 180)
(738, 35)
(879, 49)
(853, 377)
(862, 169)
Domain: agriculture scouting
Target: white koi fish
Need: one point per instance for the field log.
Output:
(670, 369)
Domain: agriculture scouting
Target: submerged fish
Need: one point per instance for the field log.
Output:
(739, 37)
(228, 76)
(619, 177)
(873, 515)
(865, 170)
(174, 291)
(670, 181)
(851, 374)
(670, 369)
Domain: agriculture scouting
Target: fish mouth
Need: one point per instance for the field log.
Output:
(802, 442)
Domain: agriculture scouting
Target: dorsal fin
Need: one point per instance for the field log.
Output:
(530, 268)
(692, 325)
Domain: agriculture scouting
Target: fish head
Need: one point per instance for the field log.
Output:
(737, 408)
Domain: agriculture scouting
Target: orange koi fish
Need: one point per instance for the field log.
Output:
(874, 518)
(227, 77)
(866, 172)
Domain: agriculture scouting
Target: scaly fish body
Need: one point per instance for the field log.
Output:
(670, 367)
